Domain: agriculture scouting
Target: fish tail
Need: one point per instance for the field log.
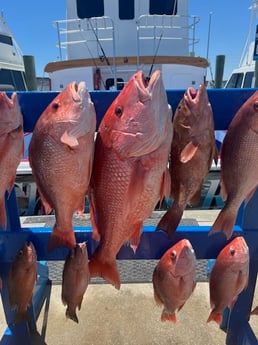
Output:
(3, 218)
(170, 220)
(217, 317)
(61, 238)
(165, 316)
(106, 270)
(71, 314)
(224, 222)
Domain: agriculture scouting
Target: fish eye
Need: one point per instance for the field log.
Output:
(256, 105)
(173, 255)
(231, 251)
(55, 105)
(119, 111)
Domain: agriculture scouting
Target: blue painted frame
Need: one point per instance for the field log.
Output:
(225, 103)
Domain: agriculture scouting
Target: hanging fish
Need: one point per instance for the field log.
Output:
(61, 155)
(130, 173)
(174, 279)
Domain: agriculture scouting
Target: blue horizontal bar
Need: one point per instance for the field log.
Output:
(152, 245)
(224, 102)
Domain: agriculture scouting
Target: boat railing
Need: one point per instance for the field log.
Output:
(77, 31)
(158, 28)
(96, 33)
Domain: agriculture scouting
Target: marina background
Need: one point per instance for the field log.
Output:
(31, 25)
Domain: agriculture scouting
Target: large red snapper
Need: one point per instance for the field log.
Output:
(192, 151)
(76, 277)
(130, 173)
(239, 164)
(174, 278)
(11, 147)
(21, 281)
(61, 155)
(229, 276)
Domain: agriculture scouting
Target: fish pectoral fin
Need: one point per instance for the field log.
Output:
(135, 238)
(69, 140)
(188, 152)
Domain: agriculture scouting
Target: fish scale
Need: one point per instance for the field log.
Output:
(61, 155)
(129, 170)
(11, 147)
(239, 164)
(192, 151)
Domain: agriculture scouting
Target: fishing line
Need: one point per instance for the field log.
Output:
(98, 41)
(156, 53)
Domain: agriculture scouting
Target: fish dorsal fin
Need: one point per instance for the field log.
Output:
(188, 152)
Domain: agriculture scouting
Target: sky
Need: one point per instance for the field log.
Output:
(31, 24)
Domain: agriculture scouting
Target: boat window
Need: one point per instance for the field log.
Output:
(126, 9)
(248, 79)
(13, 78)
(6, 39)
(163, 7)
(235, 80)
(110, 83)
(88, 9)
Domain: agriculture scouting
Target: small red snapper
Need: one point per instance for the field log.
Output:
(61, 154)
(229, 277)
(192, 150)
(21, 280)
(239, 164)
(174, 278)
(130, 173)
(11, 147)
(76, 277)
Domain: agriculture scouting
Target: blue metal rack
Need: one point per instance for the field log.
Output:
(153, 244)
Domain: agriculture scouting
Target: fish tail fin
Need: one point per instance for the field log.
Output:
(165, 316)
(224, 222)
(61, 238)
(217, 317)
(3, 218)
(71, 314)
(170, 220)
(21, 315)
(106, 270)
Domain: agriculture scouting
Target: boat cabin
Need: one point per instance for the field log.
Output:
(105, 41)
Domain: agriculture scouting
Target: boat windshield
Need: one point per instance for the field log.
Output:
(13, 79)
(235, 80)
(241, 80)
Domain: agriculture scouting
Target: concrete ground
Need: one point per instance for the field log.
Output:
(130, 316)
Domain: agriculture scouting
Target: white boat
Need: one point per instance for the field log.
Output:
(243, 76)
(12, 70)
(105, 41)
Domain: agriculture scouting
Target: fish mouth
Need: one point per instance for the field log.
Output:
(192, 96)
(8, 101)
(78, 90)
(147, 85)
